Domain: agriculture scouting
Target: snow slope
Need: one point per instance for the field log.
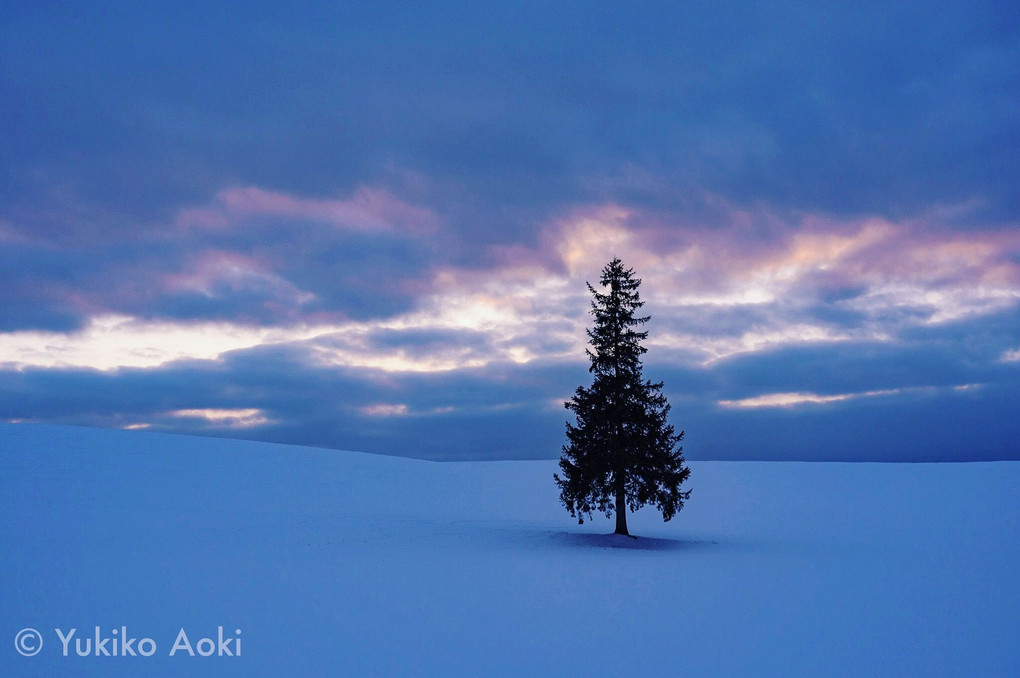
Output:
(338, 563)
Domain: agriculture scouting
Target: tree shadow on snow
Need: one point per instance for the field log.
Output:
(617, 541)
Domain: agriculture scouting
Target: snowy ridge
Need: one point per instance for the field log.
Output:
(339, 563)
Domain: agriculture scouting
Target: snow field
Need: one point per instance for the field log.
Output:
(339, 563)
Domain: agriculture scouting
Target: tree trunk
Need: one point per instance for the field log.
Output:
(621, 510)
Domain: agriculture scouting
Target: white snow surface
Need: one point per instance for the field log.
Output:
(346, 564)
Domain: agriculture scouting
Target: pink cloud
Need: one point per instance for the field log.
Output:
(789, 251)
(222, 270)
(367, 210)
(759, 275)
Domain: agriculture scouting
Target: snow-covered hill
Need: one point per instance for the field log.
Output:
(317, 563)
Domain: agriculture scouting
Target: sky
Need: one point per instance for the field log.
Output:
(369, 226)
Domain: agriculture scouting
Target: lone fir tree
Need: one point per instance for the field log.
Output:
(622, 452)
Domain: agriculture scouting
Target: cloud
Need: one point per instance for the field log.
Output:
(506, 410)
(230, 276)
(809, 108)
(238, 418)
(820, 201)
(714, 294)
(367, 210)
(273, 259)
(384, 410)
(801, 398)
(112, 342)
(818, 280)
(279, 393)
